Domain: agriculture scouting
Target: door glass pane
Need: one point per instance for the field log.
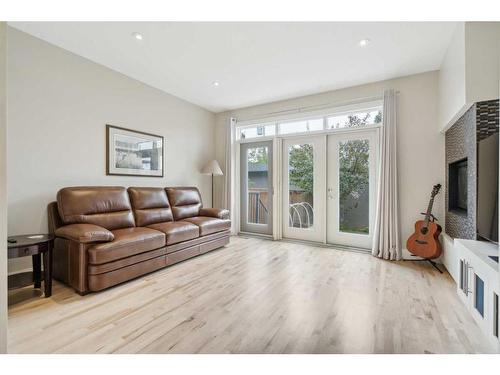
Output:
(301, 185)
(258, 185)
(354, 189)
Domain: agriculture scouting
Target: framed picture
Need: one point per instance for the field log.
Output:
(133, 153)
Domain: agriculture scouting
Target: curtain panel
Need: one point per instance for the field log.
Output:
(386, 237)
(228, 189)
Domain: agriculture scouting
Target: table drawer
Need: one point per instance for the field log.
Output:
(26, 251)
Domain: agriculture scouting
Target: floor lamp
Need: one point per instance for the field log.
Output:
(212, 168)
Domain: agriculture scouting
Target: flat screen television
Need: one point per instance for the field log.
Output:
(487, 188)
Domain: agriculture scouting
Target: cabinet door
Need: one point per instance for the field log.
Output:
(479, 297)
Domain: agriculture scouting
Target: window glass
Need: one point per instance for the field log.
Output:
(354, 120)
(479, 295)
(301, 186)
(258, 185)
(301, 126)
(341, 121)
(495, 314)
(354, 190)
(264, 130)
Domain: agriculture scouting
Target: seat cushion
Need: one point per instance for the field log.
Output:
(177, 231)
(127, 242)
(209, 225)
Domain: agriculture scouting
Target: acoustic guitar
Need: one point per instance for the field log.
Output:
(425, 241)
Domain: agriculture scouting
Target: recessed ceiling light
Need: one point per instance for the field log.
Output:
(364, 42)
(215, 83)
(137, 36)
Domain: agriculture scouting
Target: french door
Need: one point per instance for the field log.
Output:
(351, 188)
(329, 187)
(256, 187)
(303, 215)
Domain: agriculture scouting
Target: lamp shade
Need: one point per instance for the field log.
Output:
(213, 168)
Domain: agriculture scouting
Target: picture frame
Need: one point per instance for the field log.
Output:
(134, 153)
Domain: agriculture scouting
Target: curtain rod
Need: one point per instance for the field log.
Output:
(312, 108)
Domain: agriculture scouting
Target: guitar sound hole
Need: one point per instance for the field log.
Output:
(424, 230)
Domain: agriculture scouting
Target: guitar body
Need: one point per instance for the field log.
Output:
(425, 241)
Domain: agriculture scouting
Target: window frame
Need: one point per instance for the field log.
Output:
(305, 116)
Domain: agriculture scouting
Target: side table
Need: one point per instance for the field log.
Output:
(39, 246)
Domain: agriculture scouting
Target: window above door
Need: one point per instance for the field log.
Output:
(342, 118)
(355, 120)
(257, 131)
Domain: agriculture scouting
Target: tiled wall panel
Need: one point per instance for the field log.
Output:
(480, 121)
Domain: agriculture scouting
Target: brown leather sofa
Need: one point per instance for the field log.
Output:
(108, 235)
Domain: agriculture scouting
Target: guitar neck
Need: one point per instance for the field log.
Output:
(429, 211)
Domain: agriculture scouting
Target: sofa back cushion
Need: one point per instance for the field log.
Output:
(106, 206)
(150, 205)
(185, 201)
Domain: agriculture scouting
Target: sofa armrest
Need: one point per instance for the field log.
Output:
(84, 233)
(219, 213)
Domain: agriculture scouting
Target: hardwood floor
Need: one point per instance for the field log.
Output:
(256, 296)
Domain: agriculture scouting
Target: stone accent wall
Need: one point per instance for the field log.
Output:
(487, 118)
(479, 122)
(460, 143)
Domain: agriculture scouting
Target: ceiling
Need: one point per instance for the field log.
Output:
(253, 62)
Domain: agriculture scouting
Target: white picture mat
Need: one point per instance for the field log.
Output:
(113, 132)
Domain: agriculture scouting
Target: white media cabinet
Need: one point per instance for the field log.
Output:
(478, 284)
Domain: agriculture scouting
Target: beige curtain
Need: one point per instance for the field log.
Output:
(386, 241)
(228, 200)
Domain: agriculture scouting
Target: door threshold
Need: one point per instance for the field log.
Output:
(353, 249)
(256, 235)
(308, 243)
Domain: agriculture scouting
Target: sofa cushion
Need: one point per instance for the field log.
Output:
(220, 213)
(127, 242)
(177, 231)
(209, 224)
(106, 206)
(150, 205)
(84, 233)
(185, 201)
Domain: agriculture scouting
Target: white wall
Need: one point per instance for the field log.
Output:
(420, 145)
(481, 60)
(469, 70)
(452, 97)
(59, 104)
(3, 189)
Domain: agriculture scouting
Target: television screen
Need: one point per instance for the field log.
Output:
(487, 188)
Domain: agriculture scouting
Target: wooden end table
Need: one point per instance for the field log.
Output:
(38, 246)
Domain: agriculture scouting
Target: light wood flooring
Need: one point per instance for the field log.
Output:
(255, 296)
